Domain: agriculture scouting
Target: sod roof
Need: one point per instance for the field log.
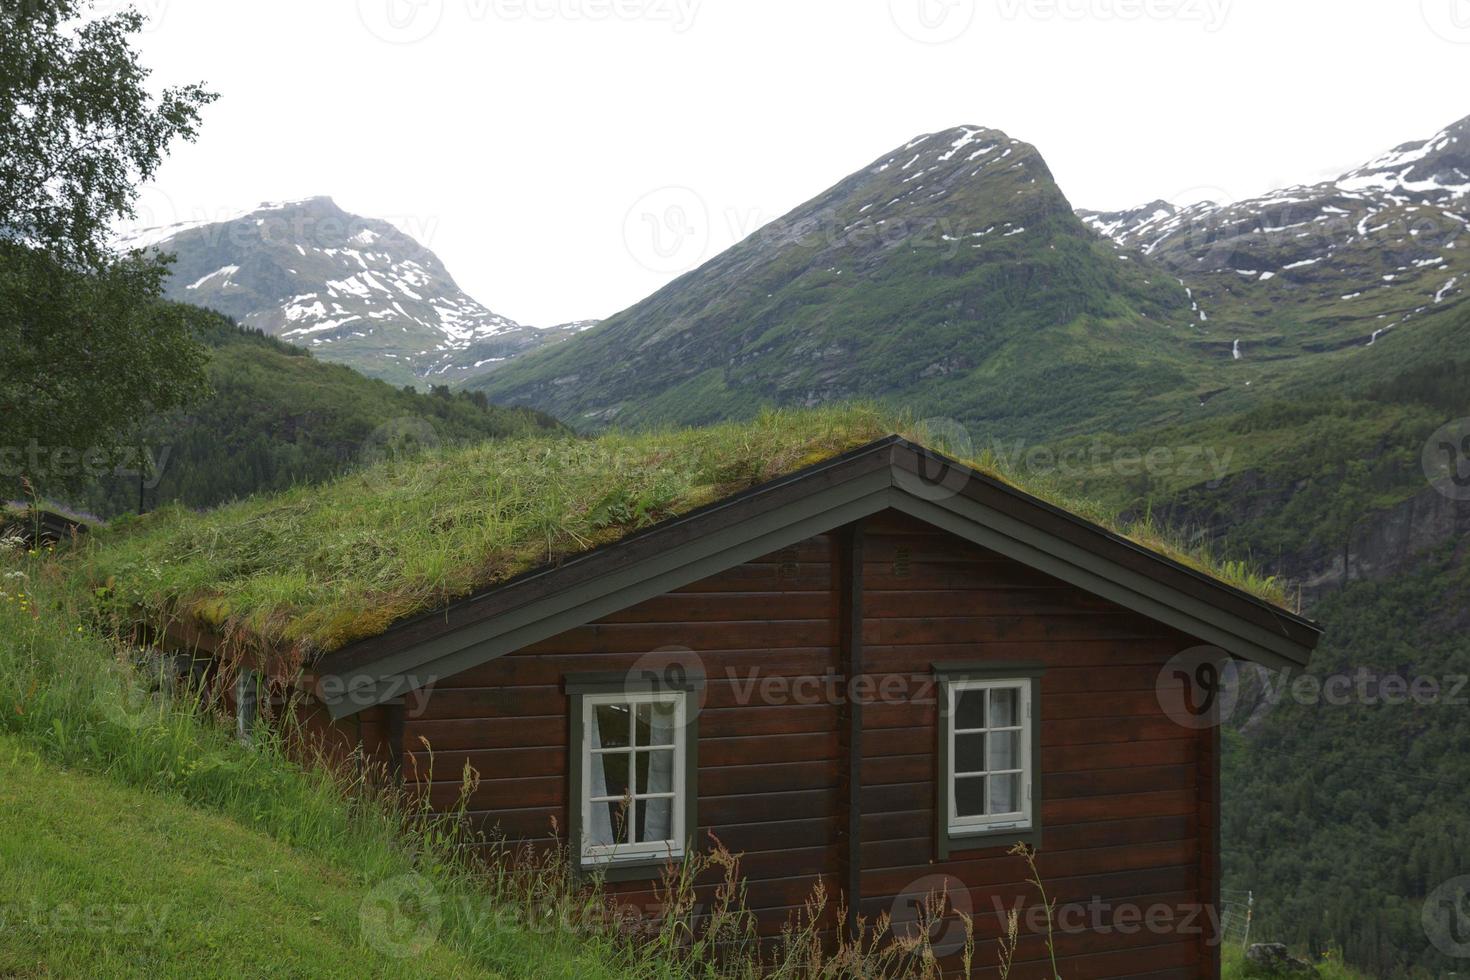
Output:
(315, 568)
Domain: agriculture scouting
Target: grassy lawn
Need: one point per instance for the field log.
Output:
(105, 880)
(138, 837)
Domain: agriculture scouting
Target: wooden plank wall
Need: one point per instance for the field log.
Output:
(1127, 818)
(1120, 786)
(337, 742)
(768, 773)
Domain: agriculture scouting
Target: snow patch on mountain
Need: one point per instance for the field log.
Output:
(1393, 226)
(357, 289)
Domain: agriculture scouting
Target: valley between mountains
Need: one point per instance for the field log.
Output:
(951, 276)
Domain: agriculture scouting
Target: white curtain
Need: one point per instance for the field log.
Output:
(1003, 794)
(658, 815)
(599, 820)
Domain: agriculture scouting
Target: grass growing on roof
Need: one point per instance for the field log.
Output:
(317, 568)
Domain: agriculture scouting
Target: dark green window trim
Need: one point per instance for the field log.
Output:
(945, 675)
(579, 686)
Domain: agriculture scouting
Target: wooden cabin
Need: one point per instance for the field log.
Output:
(880, 673)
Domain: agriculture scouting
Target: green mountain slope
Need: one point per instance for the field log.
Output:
(1346, 819)
(1315, 268)
(278, 417)
(1342, 815)
(950, 276)
(1309, 468)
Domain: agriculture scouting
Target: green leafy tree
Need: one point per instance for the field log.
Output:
(87, 351)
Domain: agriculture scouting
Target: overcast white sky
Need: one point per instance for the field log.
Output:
(527, 142)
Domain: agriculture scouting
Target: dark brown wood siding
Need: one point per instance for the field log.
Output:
(1121, 787)
(1127, 797)
(768, 772)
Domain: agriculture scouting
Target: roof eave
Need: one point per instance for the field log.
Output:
(890, 473)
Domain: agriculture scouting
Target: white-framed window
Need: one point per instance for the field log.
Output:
(990, 769)
(247, 703)
(633, 790)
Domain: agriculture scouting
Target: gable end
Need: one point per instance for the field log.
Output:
(890, 474)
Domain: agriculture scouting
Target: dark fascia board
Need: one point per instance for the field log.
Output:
(1003, 498)
(891, 473)
(1051, 540)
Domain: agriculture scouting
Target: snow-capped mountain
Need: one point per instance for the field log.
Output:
(353, 289)
(1351, 257)
(950, 275)
(1436, 170)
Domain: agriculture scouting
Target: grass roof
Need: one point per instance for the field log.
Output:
(315, 568)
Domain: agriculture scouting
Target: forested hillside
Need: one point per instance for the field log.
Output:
(1343, 813)
(278, 417)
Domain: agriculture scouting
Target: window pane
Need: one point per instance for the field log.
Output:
(970, 709)
(969, 753)
(1005, 751)
(604, 818)
(656, 723)
(1005, 793)
(656, 771)
(612, 726)
(613, 768)
(634, 752)
(1003, 707)
(655, 820)
(969, 797)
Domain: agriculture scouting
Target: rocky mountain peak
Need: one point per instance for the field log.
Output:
(1353, 257)
(909, 279)
(1436, 170)
(930, 166)
(354, 289)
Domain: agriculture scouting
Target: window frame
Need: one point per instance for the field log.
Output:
(247, 692)
(622, 862)
(956, 833)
